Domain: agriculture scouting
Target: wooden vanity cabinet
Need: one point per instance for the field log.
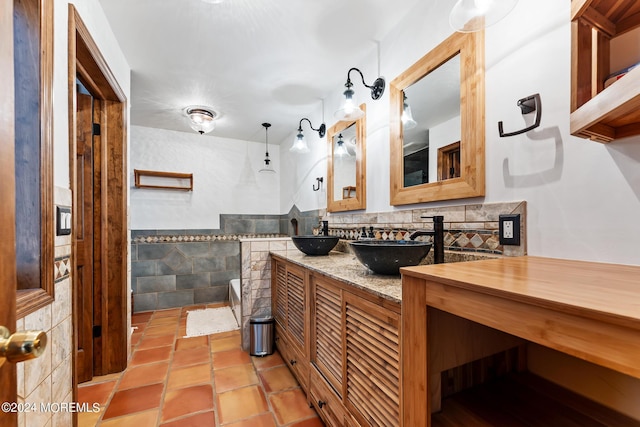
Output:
(353, 363)
(289, 304)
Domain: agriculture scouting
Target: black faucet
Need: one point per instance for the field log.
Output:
(438, 237)
(325, 228)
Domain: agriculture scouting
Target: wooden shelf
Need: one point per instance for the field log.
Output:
(525, 400)
(163, 180)
(600, 114)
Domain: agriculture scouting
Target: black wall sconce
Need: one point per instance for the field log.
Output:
(349, 109)
(300, 144)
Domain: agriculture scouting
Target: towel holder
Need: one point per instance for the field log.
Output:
(319, 182)
(527, 105)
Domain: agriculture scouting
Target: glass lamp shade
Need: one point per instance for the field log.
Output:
(407, 118)
(201, 120)
(299, 145)
(468, 16)
(268, 167)
(341, 150)
(349, 109)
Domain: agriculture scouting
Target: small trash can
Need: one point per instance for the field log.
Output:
(261, 335)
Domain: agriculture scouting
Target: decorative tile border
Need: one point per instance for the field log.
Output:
(61, 268)
(200, 238)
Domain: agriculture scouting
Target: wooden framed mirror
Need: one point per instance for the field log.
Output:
(346, 165)
(444, 93)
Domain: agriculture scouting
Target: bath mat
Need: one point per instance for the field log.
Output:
(210, 321)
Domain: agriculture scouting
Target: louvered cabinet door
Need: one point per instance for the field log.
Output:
(279, 293)
(327, 329)
(296, 307)
(372, 339)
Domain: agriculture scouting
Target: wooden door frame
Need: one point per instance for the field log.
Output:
(8, 389)
(86, 60)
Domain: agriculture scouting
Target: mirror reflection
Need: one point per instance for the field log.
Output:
(431, 123)
(344, 163)
(346, 174)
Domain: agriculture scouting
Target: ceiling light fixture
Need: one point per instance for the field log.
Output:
(268, 167)
(468, 16)
(299, 145)
(407, 118)
(201, 119)
(349, 109)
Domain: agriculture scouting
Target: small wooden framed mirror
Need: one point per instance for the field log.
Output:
(346, 165)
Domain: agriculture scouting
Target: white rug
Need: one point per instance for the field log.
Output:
(210, 321)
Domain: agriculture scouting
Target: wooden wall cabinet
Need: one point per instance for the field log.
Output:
(351, 372)
(598, 113)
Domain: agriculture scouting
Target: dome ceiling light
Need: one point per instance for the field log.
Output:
(201, 119)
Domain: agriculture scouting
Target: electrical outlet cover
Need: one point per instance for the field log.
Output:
(515, 220)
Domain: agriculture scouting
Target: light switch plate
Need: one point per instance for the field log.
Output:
(509, 229)
(63, 221)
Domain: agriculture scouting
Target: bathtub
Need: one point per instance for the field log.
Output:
(234, 298)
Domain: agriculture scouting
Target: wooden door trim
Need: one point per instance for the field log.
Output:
(86, 60)
(8, 390)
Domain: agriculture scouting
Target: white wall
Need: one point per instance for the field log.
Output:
(225, 179)
(583, 197)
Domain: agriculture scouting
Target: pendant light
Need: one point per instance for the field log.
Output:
(267, 168)
(407, 118)
(468, 16)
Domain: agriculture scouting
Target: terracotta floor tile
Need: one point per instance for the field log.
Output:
(187, 343)
(134, 400)
(135, 338)
(141, 419)
(226, 359)
(241, 403)
(142, 317)
(161, 330)
(144, 375)
(189, 376)
(199, 420)
(311, 422)
(167, 312)
(277, 379)
(225, 344)
(191, 357)
(185, 310)
(289, 406)
(89, 419)
(155, 341)
(163, 321)
(138, 327)
(104, 378)
(95, 393)
(234, 377)
(152, 355)
(267, 362)
(185, 401)
(218, 305)
(264, 420)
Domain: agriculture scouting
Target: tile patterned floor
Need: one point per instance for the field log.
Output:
(173, 381)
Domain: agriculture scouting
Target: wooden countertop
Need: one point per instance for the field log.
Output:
(606, 292)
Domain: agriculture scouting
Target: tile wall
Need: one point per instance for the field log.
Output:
(47, 379)
(175, 268)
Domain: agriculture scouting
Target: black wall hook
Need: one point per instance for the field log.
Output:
(527, 105)
(320, 180)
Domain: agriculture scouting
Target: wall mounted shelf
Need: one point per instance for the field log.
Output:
(598, 113)
(163, 180)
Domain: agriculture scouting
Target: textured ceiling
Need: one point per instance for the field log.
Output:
(250, 60)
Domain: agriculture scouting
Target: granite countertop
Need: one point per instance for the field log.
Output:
(346, 268)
